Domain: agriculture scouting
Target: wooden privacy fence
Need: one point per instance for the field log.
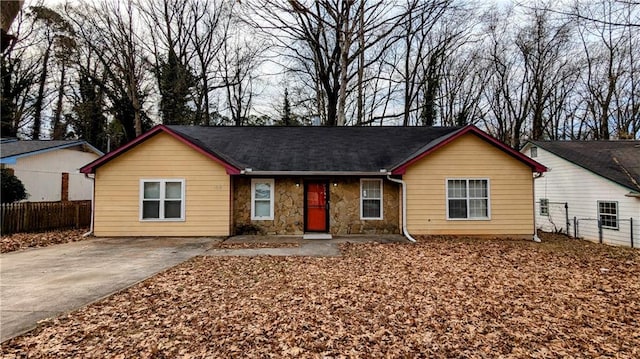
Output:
(40, 216)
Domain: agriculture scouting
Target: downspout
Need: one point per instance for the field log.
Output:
(93, 206)
(404, 207)
(535, 214)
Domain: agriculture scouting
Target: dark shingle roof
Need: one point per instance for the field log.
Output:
(618, 161)
(321, 149)
(14, 148)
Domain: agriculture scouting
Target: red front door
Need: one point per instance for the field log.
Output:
(316, 207)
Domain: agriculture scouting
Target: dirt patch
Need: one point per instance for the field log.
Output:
(442, 298)
(18, 241)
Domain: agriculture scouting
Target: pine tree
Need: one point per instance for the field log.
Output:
(286, 109)
(176, 82)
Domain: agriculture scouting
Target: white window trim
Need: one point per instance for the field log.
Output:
(362, 217)
(617, 227)
(544, 214)
(446, 191)
(163, 181)
(271, 183)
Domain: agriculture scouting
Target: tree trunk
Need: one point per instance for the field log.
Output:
(332, 107)
(37, 113)
(361, 45)
(59, 128)
(345, 34)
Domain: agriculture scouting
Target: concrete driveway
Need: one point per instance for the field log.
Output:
(36, 284)
(41, 283)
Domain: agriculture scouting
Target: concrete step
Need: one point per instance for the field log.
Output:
(317, 236)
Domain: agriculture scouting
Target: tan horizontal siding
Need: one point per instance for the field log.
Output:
(207, 187)
(510, 185)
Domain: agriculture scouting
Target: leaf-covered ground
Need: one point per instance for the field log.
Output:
(18, 241)
(442, 298)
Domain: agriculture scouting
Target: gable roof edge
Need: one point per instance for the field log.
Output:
(91, 167)
(446, 139)
(12, 158)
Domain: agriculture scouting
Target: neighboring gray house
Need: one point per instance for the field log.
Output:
(599, 180)
(49, 169)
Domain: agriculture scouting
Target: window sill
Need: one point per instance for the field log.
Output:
(469, 219)
(371, 219)
(163, 220)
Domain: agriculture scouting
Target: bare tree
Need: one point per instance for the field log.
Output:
(240, 59)
(54, 27)
(171, 27)
(207, 41)
(323, 41)
(107, 31)
(9, 10)
(463, 81)
(523, 92)
(542, 47)
(611, 75)
(19, 65)
(64, 51)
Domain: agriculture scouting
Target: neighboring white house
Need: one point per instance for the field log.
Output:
(49, 169)
(599, 181)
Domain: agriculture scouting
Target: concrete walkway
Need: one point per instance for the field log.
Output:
(306, 247)
(41, 283)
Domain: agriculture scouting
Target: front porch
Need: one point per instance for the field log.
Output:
(291, 213)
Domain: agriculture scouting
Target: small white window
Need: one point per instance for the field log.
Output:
(162, 200)
(468, 199)
(608, 214)
(370, 199)
(262, 199)
(544, 207)
(534, 151)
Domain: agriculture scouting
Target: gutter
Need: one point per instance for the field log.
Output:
(93, 204)
(251, 172)
(404, 207)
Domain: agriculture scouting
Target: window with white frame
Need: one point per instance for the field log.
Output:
(544, 207)
(262, 199)
(468, 199)
(162, 200)
(534, 151)
(371, 198)
(608, 214)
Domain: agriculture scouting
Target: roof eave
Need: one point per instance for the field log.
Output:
(247, 172)
(535, 166)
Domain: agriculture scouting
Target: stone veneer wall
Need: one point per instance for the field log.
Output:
(289, 207)
(288, 212)
(345, 208)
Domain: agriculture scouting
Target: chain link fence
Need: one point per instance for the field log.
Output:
(590, 227)
(555, 217)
